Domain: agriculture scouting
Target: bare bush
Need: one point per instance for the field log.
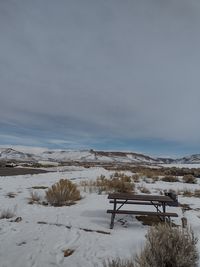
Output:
(63, 193)
(168, 246)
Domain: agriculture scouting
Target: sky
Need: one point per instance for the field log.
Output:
(106, 75)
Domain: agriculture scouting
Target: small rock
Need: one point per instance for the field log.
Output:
(18, 219)
(68, 252)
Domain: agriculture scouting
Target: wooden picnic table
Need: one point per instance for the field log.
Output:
(159, 202)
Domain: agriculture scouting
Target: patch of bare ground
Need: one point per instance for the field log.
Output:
(39, 187)
(151, 220)
(6, 171)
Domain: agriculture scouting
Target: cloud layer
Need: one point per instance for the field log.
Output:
(84, 71)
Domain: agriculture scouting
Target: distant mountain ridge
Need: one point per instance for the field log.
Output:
(9, 154)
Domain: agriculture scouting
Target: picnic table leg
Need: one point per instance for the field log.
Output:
(164, 210)
(113, 214)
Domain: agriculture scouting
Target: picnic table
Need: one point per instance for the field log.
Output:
(119, 200)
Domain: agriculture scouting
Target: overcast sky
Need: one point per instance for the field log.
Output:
(108, 74)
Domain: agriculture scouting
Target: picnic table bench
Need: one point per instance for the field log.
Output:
(159, 202)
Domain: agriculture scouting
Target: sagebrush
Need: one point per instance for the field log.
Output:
(63, 193)
(168, 246)
(165, 246)
(189, 179)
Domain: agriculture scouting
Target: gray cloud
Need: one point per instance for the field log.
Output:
(127, 69)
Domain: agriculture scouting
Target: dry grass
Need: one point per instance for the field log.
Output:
(136, 178)
(6, 214)
(148, 173)
(190, 193)
(196, 193)
(116, 183)
(63, 193)
(34, 198)
(119, 263)
(187, 193)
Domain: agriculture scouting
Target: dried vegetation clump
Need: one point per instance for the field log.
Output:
(34, 198)
(189, 179)
(165, 246)
(168, 246)
(190, 193)
(118, 182)
(119, 263)
(6, 214)
(63, 193)
(170, 178)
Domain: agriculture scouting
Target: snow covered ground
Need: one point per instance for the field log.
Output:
(45, 232)
(181, 165)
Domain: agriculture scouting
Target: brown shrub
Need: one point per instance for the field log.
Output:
(63, 193)
(168, 246)
(189, 179)
(187, 193)
(170, 178)
(165, 246)
(197, 193)
(120, 184)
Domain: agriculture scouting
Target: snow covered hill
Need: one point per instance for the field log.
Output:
(8, 154)
(76, 155)
(193, 159)
(11, 154)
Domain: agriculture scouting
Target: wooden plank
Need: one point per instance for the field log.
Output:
(130, 196)
(139, 212)
(135, 202)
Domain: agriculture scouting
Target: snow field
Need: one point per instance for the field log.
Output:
(32, 244)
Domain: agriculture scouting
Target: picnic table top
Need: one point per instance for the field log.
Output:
(131, 196)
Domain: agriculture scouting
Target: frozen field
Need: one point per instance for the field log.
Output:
(45, 232)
